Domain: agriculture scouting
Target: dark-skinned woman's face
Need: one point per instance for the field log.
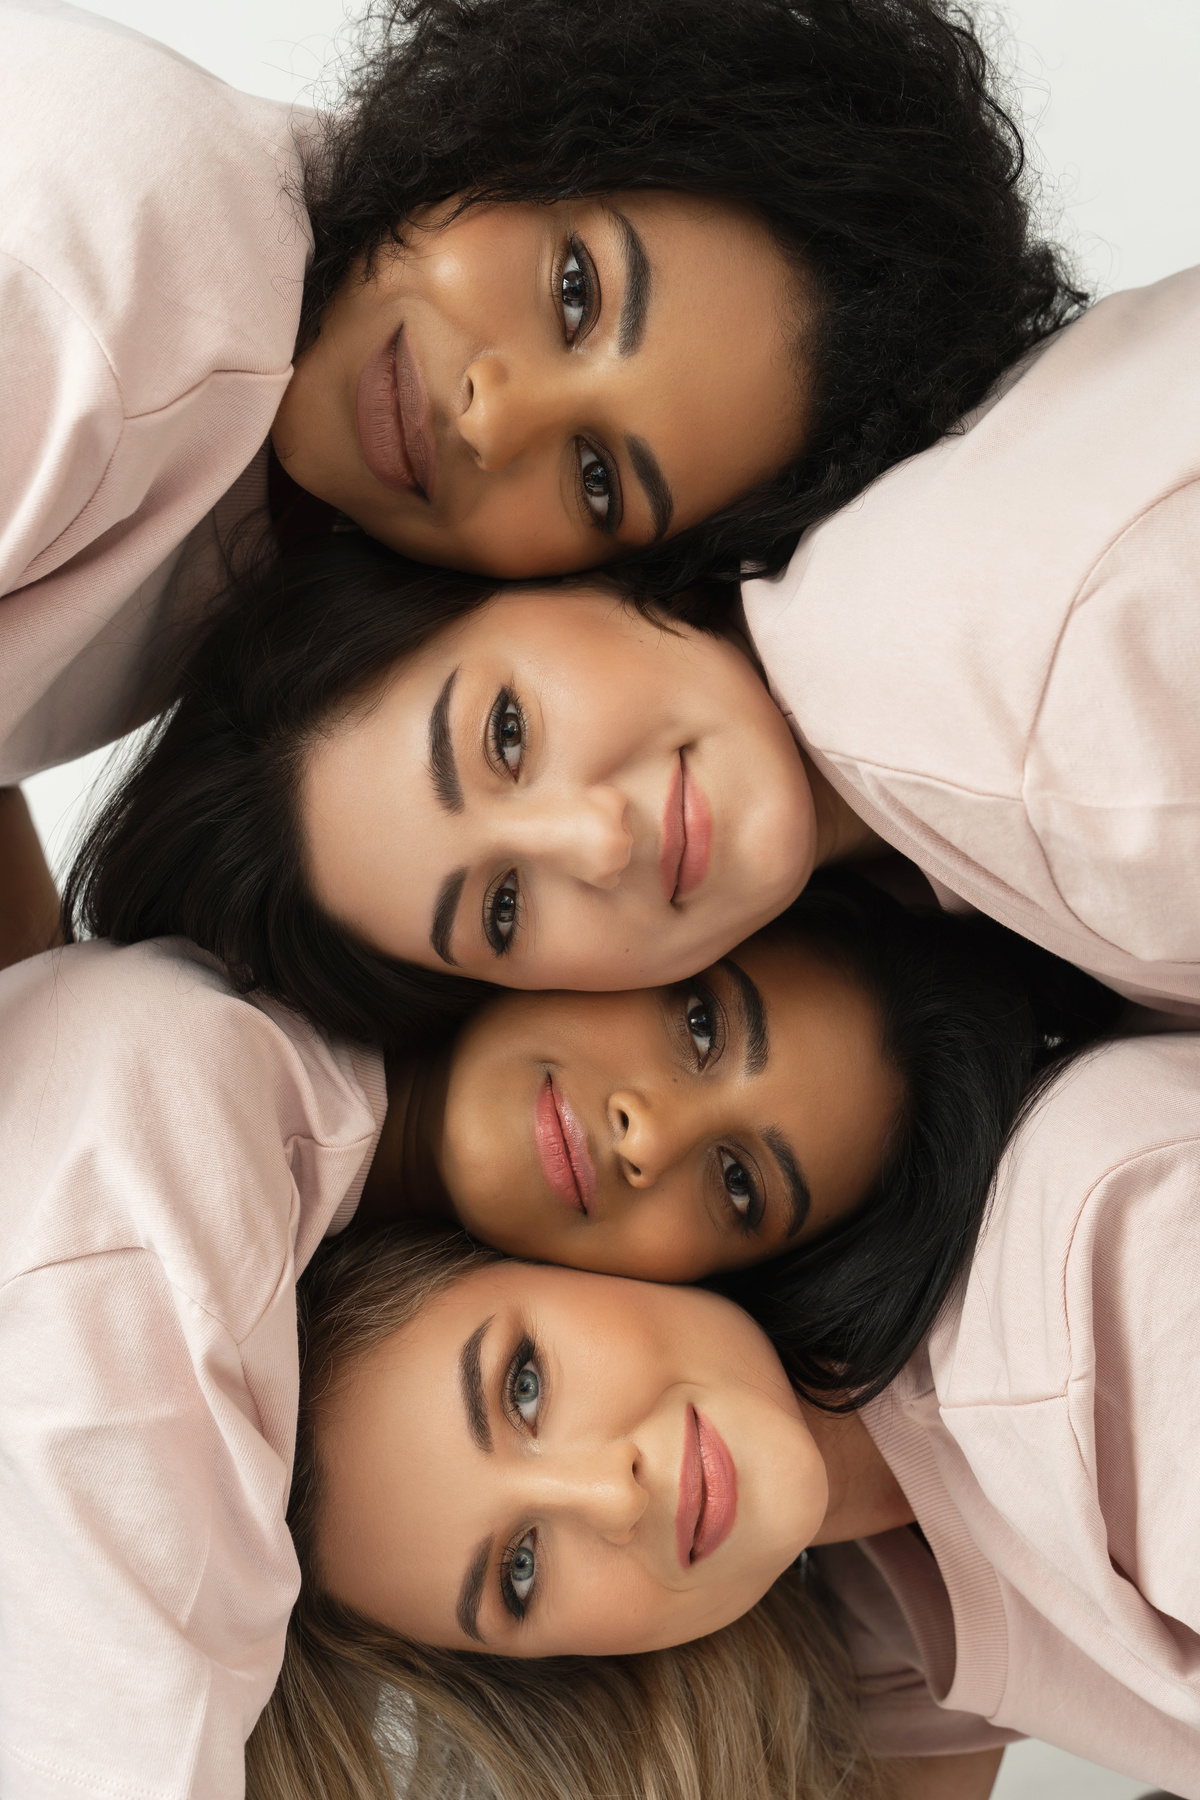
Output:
(530, 390)
(670, 1132)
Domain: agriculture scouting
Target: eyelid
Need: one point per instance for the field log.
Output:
(575, 247)
(501, 946)
(504, 699)
(719, 1019)
(525, 1352)
(610, 524)
(751, 1220)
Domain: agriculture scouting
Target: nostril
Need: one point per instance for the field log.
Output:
(624, 1118)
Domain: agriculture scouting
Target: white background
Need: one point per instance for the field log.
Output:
(1109, 92)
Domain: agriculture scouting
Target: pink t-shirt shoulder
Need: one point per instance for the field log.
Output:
(994, 654)
(172, 1155)
(1045, 1439)
(152, 257)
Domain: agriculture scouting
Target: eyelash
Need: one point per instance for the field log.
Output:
(589, 304)
(749, 1218)
(716, 1014)
(525, 1353)
(506, 706)
(501, 932)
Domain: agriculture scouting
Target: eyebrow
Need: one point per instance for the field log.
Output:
(635, 303)
(441, 749)
(444, 911)
(471, 1591)
(799, 1198)
(654, 484)
(470, 1381)
(754, 1017)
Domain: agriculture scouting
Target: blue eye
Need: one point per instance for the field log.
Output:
(520, 1573)
(526, 1391)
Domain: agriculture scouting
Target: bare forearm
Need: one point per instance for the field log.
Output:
(28, 896)
(967, 1777)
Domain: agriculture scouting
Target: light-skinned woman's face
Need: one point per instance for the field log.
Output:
(552, 1463)
(531, 390)
(558, 793)
(670, 1132)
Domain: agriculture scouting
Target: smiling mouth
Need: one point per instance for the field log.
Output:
(391, 418)
(707, 1491)
(562, 1149)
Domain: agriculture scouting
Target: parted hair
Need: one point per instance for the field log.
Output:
(764, 1710)
(870, 135)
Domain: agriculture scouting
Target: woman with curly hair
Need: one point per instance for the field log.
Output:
(658, 280)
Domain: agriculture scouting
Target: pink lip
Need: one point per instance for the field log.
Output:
(562, 1149)
(686, 836)
(392, 419)
(707, 1491)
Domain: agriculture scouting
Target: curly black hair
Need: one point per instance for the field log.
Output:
(869, 134)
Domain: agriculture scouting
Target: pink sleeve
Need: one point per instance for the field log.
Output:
(146, 1570)
(1112, 768)
(900, 1714)
(1132, 1278)
(62, 419)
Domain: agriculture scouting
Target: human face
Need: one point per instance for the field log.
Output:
(549, 1463)
(671, 1132)
(531, 390)
(557, 792)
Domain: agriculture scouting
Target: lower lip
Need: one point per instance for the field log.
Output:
(377, 422)
(550, 1137)
(707, 1492)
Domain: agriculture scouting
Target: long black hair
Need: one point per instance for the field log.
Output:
(202, 839)
(869, 134)
(975, 1021)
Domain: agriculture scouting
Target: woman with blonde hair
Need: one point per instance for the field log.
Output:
(763, 1709)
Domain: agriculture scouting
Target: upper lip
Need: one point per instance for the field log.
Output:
(393, 419)
(707, 1491)
(686, 835)
(562, 1148)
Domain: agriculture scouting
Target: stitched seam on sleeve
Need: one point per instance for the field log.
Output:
(1051, 665)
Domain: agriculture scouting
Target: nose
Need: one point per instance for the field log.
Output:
(507, 408)
(585, 835)
(598, 1485)
(648, 1133)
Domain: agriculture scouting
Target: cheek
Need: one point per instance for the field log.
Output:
(615, 1608)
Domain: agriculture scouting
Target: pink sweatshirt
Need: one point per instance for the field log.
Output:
(1047, 1440)
(171, 1156)
(994, 654)
(151, 266)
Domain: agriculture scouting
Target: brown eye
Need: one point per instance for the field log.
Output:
(500, 913)
(700, 1027)
(596, 483)
(508, 734)
(576, 293)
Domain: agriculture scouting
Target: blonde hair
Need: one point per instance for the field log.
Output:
(763, 1710)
